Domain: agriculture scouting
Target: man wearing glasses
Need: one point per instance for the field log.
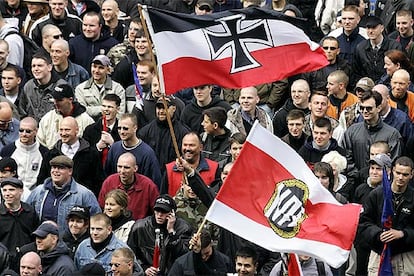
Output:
(359, 136)
(28, 153)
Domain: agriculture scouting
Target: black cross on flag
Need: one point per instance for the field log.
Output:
(237, 38)
(232, 49)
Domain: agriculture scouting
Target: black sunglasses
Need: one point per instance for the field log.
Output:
(123, 128)
(57, 36)
(367, 108)
(204, 8)
(28, 131)
(329, 48)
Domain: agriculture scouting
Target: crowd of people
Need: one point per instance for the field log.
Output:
(92, 182)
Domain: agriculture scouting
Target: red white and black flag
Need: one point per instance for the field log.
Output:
(273, 199)
(233, 49)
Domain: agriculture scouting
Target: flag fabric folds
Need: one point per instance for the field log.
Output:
(232, 49)
(273, 199)
(385, 266)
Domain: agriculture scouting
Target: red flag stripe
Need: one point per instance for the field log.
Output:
(205, 71)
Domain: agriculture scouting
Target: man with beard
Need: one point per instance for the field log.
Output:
(175, 233)
(191, 149)
(157, 133)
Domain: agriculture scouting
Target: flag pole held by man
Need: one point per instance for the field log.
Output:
(232, 49)
(275, 201)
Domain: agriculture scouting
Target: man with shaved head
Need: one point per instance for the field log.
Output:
(110, 12)
(50, 33)
(30, 264)
(141, 190)
(400, 97)
(87, 168)
(393, 116)
(9, 126)
(28, 154)
(73, 73)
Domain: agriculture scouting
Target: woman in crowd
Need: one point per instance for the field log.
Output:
(116, 203)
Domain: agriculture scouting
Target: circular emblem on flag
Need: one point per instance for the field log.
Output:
(285, 210)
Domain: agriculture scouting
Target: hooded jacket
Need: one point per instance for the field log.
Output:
(57, 262)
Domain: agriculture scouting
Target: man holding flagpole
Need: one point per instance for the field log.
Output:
(396, 233)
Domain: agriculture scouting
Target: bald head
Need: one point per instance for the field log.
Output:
(248, 100)
(30, 264)
(6, 114)
(68, 130)
(110, 10)
(129, 157)
(61, 43)
(399, 83)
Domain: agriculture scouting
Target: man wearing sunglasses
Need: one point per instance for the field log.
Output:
(28, 153)
(359, 136)
(203, 7)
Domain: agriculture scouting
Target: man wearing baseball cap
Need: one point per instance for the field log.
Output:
(53, 252)
(59, 193)
(65, 105)
(17, 219)
(176, 233)
(91, 92)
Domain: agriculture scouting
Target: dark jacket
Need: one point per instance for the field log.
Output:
(318, 79)
(390, 8)
(123, 70)
(87, 165)
(348, 45)
(16, 228)
(312, 155)
(192, 113)
(83, 50)
(142, 239)
(19, 13)
(280, 128)
(370, 225)
(73, 243)
(57, 262)
(369, 63)
(90, 6)
(217, 148)
(70, 26)
(92, 133)
(157, 135)
(192, 264)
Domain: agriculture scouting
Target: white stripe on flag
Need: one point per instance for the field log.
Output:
(194, 43)
(284, 154)
(265, 237)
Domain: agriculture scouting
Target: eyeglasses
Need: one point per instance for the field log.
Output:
(115, 264)
(367, 108)
(28, 131)
(123, 128)
(204, 8)
(57, 36)
(329, 48)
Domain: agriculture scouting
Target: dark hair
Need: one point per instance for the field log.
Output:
(372, 94)
(323, 122)
(205, 238)
(397, 56)
(404, 161)
(332, 38)
(247, 252)
(216, 114)
(319, 93)
(140, 33)
(12, 67)
(44, 56)
(237, 138)
(113, 98)
(325, 168)
(295, 114)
